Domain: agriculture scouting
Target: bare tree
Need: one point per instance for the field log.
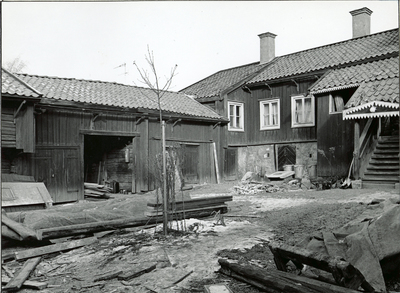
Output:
(16, 65)
(152, 81)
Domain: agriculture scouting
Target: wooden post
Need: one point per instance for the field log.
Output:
(164, 175)
(216, 162)
(356, 153)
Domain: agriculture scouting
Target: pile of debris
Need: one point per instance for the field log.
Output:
(362, 254)
(93, 190)
(254, 187)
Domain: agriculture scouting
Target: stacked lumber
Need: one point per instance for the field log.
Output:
(93, 190)
(205, 204)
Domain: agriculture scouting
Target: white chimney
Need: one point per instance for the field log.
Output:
(361, 22)
(267, 47)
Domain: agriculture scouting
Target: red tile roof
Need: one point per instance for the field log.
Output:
(213, 85)
(116, 95)
(11, 85)
(331, 56)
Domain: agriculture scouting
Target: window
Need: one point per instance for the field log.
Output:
(236, 113)
(336, 104)
(303, 111)
(269, 114)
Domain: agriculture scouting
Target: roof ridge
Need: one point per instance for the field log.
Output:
(90, 81)
(334, 44)
(219, 71)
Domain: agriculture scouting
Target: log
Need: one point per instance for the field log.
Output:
(27, 284)
(201, 200)
(137, 272)
(25, 232)
(53, 248)
(58, 232)
(344, 273)
(277, 281)
(19, 279)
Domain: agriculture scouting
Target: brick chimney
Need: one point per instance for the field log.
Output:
(361, 22)
(267, 47)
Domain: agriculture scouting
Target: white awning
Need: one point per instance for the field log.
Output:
(375, 109)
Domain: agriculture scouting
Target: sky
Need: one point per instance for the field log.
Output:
(92, 40)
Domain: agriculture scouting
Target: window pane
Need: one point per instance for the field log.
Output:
(266, 115)
(275, 113)
(299, 111)
(338, 104)
(307, 110)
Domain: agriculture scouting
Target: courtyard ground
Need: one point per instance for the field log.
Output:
(192, 255)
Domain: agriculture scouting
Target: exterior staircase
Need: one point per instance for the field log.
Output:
(383, 169)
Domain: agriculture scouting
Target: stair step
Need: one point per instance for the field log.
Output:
(387, 145)
(383, 167)
(376, 172)
(382, 162)
(386, 156)
(383, 178)
(394, 152)
(385, 139)
(377, 185)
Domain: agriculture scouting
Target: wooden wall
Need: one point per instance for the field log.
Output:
(60, 149)
(252, 134)
(335, 140)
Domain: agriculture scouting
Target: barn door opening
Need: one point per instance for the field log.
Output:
(108, 159)
(230, 164)
(286, 156)
(190, 167)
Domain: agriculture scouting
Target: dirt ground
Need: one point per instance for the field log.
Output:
(187, 260)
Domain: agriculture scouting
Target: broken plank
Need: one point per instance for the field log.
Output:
(16, 282)
(54, 248)
(137, 272)
(345, 274)
(27, 284)
(107, 276)
(179, 280)
(276, 281)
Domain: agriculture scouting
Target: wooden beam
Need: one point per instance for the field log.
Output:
(344, 273)
(136, 272)
(275, 281)
(25, 232)
(216, 162)
(53, 248)
(16, 282)
(356, 153)
(109, 133)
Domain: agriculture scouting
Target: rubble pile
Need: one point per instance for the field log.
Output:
(253, 188)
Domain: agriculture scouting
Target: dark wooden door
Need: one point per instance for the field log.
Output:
(286, 156)
(59, 169)
(230, 164)
(190, 167)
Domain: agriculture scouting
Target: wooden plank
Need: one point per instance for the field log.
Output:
(16, 282)
(216, 162)
(57, 232)
(109, 133)
(107, 276)
(27, 284)
(187, 212)
(277, 281)
(53, 248)
(210, 200)
(345, 274)
(137, 272)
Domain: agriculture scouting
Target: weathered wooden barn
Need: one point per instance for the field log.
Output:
(65, 131)
(279, 115)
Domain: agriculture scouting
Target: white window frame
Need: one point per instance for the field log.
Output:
(331, 110)
(308, 124)
(262, 115)
(241, 113)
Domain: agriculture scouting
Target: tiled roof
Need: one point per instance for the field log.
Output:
(11, 85)
(117, 95)
(330, 56)
(376, 81)
(213, 85)
(386, 90)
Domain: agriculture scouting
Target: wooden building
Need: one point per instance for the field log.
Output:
(280, 116)
(91, 131)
